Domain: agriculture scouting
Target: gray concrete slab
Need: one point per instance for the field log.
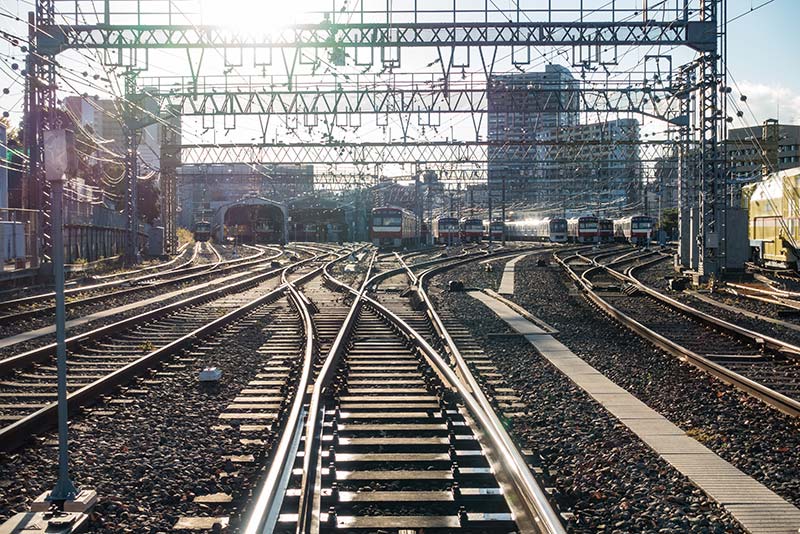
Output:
(507, 281)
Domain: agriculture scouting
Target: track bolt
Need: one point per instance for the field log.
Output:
(453, 453)
(456, 489)
(335, 490)
(463, 518)
(332, 515)
(454, 468)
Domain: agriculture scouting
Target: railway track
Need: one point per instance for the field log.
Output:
(107, 357)
(389, 437)
(21, 309)
(762, 366)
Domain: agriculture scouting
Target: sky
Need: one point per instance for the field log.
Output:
(762, 56)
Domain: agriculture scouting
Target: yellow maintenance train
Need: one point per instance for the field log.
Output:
(774, 219)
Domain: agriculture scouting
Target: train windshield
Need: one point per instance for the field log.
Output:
(386, 219)
(640, 224)
(558, 225)
(589, 225)
(448, 224)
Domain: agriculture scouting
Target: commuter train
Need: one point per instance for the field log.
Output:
(202, 231)
(774, 219)
(496, 229)
(471, 230)
(637, 229)
(446, 231)
(583, 229)
(550, 230)
(605, 230)
(393, 227)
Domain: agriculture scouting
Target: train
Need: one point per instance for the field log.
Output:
(318, 232)
(495, 230)
(636, 230)
(471, 230)
(446, 231)
(202, 231)
(551, 230)
(773, 219)
(393, 227)
(605, 230)
(583, 229)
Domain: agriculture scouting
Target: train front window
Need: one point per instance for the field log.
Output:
(386, 220)
(641, 225)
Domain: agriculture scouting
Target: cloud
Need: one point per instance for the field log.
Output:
(765, 101)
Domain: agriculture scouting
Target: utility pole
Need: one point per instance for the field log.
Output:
(503, 211)
(131, 172)
(489, 194)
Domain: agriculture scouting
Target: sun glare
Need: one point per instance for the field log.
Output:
(255, 15)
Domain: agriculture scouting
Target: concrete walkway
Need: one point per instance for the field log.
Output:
(757, 508)
(507, 282)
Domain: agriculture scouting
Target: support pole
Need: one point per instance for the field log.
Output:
(64, 489)
(60, 160)
(131, 171)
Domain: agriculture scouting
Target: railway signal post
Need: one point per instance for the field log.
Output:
(59, 163)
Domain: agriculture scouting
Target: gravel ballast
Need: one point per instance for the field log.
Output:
(747, 433)
(157, 450)
(606, 479)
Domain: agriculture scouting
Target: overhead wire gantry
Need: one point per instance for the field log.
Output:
(361, 46)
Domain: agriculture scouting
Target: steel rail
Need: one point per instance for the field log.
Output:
(544, 519)
(265, 510)
(33, 299)
(16, 316)
(542, 516)
(771, 397)
(20, 431)
(268, 500)
(12, 363)
(17, 433)
(535, 502)
(181, 251)
(308, 516)
(624, 259)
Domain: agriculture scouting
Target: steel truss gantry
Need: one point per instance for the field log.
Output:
(700, 35)
(425, 95)
(693, 24)
(505, 153)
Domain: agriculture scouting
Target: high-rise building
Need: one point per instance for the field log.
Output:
(752, 147)
(595, 168)
(522, 107)
(104, 117)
